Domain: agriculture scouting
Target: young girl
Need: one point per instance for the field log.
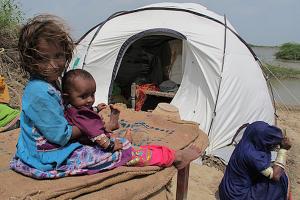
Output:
(47, 146)
(78, 88)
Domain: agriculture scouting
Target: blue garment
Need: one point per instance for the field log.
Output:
(243, 179)
(45, 133)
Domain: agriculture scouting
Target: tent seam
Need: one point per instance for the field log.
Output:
(221, 78)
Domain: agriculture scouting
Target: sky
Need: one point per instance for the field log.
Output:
(259, 22)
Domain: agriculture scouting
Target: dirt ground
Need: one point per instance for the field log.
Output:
(204, 180)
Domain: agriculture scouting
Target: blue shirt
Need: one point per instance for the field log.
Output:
(44, 140)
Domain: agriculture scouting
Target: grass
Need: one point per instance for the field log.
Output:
(280, 72)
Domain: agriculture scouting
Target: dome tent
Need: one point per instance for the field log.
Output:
(222, 86)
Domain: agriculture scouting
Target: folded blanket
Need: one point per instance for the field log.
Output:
(120, 183)
(7, 114)
(4, 93)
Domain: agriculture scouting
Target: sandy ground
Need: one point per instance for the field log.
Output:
(204, 180)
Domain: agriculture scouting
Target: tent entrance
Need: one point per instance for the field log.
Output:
(151, 63)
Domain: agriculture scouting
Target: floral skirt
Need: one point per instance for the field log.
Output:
(93, 159)
(84, 160)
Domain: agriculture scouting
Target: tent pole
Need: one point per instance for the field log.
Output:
(220, 80)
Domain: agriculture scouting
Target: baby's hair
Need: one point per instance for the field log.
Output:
(49, 28)
(70, 76)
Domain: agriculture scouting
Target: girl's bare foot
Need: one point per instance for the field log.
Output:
(128, 135)
(185, 156)
(114, 117)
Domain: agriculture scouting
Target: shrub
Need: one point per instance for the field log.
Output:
(289, 51)
(10, 18)
(10, 14)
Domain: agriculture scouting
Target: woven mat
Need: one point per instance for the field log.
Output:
(120, 183)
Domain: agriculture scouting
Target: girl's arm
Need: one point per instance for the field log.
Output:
(76, 133)
(80, 137)
(46, 113)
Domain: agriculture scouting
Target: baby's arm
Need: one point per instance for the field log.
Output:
(87, 121)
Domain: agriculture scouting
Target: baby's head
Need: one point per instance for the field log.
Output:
(45, 47)
(78, 88)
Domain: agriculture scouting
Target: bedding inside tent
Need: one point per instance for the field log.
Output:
(153, 61)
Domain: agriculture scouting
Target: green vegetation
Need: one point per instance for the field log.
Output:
(10, 18)
(10, 14)
(289, 51)
(280, 72)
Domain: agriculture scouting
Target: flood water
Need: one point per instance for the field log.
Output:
(267, 55)
(285, 91)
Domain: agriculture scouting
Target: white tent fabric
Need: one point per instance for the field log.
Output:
(220, 89)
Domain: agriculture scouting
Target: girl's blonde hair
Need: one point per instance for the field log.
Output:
(49, 28)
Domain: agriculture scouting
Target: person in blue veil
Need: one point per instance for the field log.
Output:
(250, 174)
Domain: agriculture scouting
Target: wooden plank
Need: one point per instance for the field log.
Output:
(133, 91)
(182, 183)
(162, 94)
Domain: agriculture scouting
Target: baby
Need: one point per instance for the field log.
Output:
(78, 89)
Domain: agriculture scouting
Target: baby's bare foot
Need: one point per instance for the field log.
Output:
(128, 135)
(114, 109)
(114, 117)
(185, 156)
(101, 106)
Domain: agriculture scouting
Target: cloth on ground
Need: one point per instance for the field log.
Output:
(4, 94)
(120, 183)
(8, 116)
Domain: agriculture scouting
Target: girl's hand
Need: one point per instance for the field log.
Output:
(285, 143)
(118, 145)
